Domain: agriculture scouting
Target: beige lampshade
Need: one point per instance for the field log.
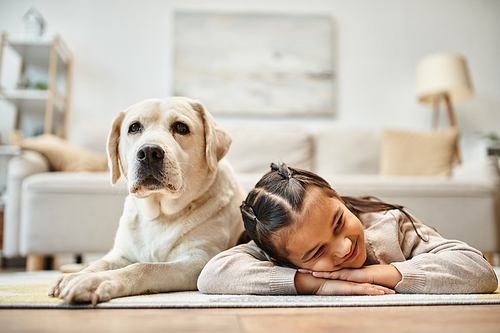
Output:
(443, 73)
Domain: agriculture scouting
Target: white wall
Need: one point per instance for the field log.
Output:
(123, 54)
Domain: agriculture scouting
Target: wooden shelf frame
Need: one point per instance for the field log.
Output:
(52, 101)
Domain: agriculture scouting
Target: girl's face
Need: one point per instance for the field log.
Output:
(329, 238)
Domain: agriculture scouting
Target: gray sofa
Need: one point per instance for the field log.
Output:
(62, 212)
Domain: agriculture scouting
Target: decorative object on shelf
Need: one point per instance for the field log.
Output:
(257, 64)
(45, 87)
(40, 85)
(443, 77)
(33, 24)
(26, 83)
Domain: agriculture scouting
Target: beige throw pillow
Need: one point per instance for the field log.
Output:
(418, 153)
(63, 156)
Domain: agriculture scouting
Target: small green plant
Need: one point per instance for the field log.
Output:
(40, 86)
(25, 83)
(492, 137)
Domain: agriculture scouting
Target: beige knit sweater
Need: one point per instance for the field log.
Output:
(437, 265)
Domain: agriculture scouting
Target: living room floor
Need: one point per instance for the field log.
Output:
(442, 319)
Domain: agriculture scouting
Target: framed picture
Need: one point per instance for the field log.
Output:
(256, 64)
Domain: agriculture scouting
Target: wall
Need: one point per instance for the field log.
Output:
(123, 54)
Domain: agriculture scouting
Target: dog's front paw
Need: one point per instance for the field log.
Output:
(94, 288)
(61, 282)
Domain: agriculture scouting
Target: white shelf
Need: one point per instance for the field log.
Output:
(37, 51)
(31, 99)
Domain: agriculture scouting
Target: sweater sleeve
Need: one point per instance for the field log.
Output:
(245, 269)
(439, 265)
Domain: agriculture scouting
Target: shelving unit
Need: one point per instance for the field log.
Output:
(53, 102)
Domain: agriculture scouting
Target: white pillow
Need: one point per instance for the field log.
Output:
(253, 150)
(347, 151)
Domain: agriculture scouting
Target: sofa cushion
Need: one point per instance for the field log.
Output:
(407, 186)
(253, 150)
(417, 153)
(63, 156)
(347, 152)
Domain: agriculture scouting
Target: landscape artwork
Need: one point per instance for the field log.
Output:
(256, 64)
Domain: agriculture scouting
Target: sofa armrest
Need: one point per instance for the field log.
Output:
(70, 212)
(20, 167)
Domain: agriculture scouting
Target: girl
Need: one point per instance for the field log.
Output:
(306, 239)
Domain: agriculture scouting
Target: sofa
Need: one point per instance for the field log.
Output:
(51, 212)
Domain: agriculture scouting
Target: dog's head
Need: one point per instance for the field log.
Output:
(165, 146)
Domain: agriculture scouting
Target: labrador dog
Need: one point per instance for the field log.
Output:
(182, 209)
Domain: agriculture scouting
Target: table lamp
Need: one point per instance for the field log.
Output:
(443, 77)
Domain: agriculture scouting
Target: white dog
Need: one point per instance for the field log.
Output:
(183, 206)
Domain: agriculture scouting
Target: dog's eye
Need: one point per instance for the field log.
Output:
(135, 128)
(180, 128)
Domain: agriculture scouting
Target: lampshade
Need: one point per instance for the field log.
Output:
(443, 73)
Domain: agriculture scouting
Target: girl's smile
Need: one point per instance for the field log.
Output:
(326, 236)
(353, 254)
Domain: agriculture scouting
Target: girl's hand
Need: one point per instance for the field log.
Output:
(306, 283)
(384, 275)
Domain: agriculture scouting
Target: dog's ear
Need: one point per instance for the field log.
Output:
(113, 152)
(217, 141)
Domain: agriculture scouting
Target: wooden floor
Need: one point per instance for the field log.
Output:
(442, 319)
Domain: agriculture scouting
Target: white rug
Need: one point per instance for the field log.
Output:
(29, 290)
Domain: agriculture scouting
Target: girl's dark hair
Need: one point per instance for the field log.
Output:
(277, 200)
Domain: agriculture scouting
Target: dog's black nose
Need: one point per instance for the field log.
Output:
(150, 154)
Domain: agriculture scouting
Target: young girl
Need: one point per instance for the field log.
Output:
(306, 239)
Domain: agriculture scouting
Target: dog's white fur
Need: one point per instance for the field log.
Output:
(170, 227)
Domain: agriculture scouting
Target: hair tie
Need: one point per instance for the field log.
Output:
(248, 210)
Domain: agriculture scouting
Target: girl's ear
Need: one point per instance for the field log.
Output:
(217, 141)
(113, 151)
